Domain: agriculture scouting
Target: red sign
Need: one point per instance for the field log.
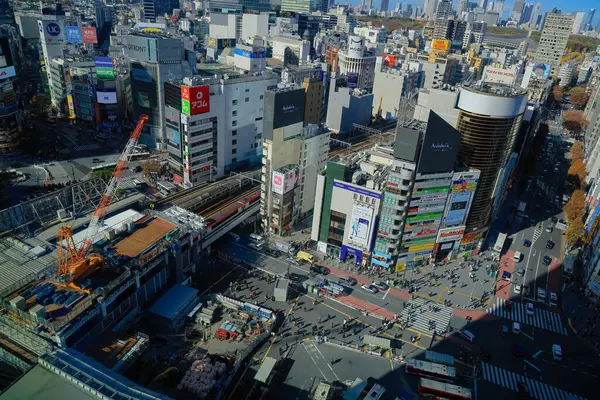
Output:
(185, 93)
(88, 34)
(205, 168)
(278, 180)
(199, 98)
(177, 178)
(388, 60)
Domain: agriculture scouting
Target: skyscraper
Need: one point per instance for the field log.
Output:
(534, 16)
(385, 5)
(444, 9)
(463, 5)
(499, 7)
(526, 14)
(589, 19)
(158, 8)
(430, 8)
(577, 23)
(104, 23)
(555, 34)
(517, 10)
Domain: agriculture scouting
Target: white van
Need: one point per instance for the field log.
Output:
(517, 257)
(557, 352)
(541, 294)
(467, 335)
(256, 238)
(516, 327)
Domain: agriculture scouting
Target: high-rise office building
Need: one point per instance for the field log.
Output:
(489, 120)
(555, 34)
(10, 115)
(526, 14)
(430, 8)
(589, 19)
(104, 23)
(578, 22)
(52, 37)
(384, 6)
(499, 6)
(517, 10)
(444, 9)
(158, 8)
(463, 6)
(535, 13)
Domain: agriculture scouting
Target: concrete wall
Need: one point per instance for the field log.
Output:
(387, 89)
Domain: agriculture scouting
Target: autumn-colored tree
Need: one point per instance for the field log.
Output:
(557, 93)
(575, 232)
(577, 90)
(574, 121)
(576, 151)
(579, 99)
(575, 207)
(150, 166)
(577, 172)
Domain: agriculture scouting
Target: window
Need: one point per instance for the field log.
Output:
(234, 102)
(247, 99)
(234, 160)
(233, 123)
(233, 142)
(261, 96)
(247, 90)
(234, 132)
(234, 151)
(234, 113)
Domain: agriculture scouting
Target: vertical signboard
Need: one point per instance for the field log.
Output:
(105, 67)
(52, 32)
(361, 221)
(71, 107)
(88, 35)
(278, 182)
(73, 34)
(195, 99)
(7, 69)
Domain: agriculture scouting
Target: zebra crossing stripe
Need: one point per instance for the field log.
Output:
(555, 392)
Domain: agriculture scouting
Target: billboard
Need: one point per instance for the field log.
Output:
(539, 71)
(151, 27)
(291, 179)
(440, 146)
(388, 59)
(88, 35)
(52, 32)
(106, 97)
(360, 224)
(406, 143)
(278, 182)
(451, 234)
(141, 75)
(173, 136)
(249, 54)
(282, 108)
(356, 46)
(74, 34)
(71, 107)
(7, 69)
(220, 44)
(439, 44)
(195, 99)
(504, 76)
(352, 79)
(105, 67)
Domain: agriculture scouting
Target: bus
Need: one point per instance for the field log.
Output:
(442, 390)
(430, 369)
(499, 246)
(439, 358)
(105, 167)
(165, 188)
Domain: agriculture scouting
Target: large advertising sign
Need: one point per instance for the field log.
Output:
(282, 108)
(220, 44)
(74, 34)
(360, 224)
(356, 189)
(291, 179)
(464, 185)
(504, 76)
(195, 99)
(356, 45)
(7, 69)
(141, 75)
(71, 107)
(539, 71)
(438, 44)
(278, 182)
(440, 147)
(88, 35)
(52, 32)
(151, 27)
(352, 79)
(173, 136)
(105, 67)
(388, 59)
(380, 259)
(106, 97)
(456, 210)
(451, 234)
(249, 54)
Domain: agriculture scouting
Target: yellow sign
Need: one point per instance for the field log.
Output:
(151, 29)
(411, 50)
(421, 247)
(439, 44)
(212, 42)
(71, 107)
(400, 266)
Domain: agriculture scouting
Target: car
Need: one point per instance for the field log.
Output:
(520, 272)
(319, 269)
(549, 244)
(541, 294)
(138, 169)
(554, 219)
(527, 243)
(529, 308)
(557, 353)
(547, 260)
(293, 260)
(347, 280)
(369, 288)
(517, 289)
(96, 160)
(518, 350)
(272, 252)
(549, 228)
(506, 275)
(553, 299)
(296, 277)
(381, 285)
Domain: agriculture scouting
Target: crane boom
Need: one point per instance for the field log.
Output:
(111, 188)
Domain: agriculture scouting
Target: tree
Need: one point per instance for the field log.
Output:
(575, 232)
(576, 152)
(574, 121)
(577, 172)
(557, 93)
(151, 166)
(575, 207)
(104, 174)
(577, 90)
(579, 99)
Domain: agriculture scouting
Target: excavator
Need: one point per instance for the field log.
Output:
(75, 263)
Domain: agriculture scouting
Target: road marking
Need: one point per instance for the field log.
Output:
(439, 296)
(386, 293)
(537, 354)
(536, 275)
(539, 370)
(313, 360)
(329, 365)
(275, 336)
(527, 336)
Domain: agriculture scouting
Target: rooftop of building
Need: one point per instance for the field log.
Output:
(147, 232)
(496, 89)
(173, 301)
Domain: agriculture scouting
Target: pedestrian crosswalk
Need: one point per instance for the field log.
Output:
(537, 232)
(510, 380)
(426, 316)
(541, 318)
(84, 147)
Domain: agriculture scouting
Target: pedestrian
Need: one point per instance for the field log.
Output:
(332, 324)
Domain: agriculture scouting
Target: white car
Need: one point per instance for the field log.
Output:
(549, 228)
(541, 294)
(517, 289)
(369, 288)
(529, 308)
(557, 352)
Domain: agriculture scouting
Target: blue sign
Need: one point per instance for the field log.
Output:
(173, 136)
(380, 259)
(74, 34)
(104, 62)
(140, 75)
(358, 254)
(53, 29)
(249, 54)
(359, 190)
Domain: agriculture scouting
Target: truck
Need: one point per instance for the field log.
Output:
(286, 248)
(302, 255)
(499, 246)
